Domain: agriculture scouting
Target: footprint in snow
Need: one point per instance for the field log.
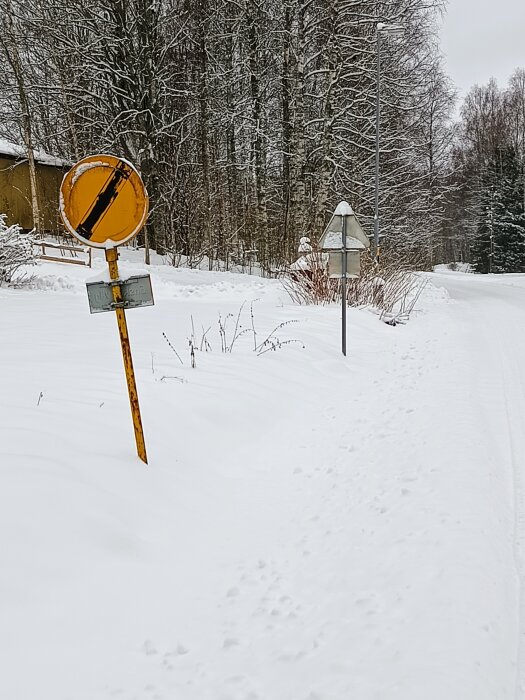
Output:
(230, 643)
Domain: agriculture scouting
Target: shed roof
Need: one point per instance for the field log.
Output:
(7, 148)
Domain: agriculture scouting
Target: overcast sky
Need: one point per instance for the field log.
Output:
(482, 39)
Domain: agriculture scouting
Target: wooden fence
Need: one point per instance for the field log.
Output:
(64, 253)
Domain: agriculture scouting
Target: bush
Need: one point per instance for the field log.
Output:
(16, 250)
(393, 293)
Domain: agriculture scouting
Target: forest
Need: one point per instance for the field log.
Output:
(249, 121)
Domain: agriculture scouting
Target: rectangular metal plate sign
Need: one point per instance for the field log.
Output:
(136, 292)
(335, 264)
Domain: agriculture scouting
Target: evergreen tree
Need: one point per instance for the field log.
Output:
(500, 243)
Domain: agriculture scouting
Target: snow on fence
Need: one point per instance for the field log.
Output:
(65, 253)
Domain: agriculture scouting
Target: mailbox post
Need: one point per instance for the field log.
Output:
(343, 240)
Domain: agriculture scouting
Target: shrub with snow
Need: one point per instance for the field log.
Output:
(16, 250)
(394, 293)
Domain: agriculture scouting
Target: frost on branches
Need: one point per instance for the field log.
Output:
(16, 249)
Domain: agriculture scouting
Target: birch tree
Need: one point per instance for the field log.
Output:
(249, 119)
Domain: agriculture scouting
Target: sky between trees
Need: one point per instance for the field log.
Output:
(482, 39)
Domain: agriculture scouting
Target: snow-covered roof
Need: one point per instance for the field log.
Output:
(8, 148)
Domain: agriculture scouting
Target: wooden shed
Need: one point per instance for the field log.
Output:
(15, 190)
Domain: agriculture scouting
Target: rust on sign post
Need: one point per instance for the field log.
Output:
(103, 203)
(111, 257)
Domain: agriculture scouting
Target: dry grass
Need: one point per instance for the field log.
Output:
(393, 293)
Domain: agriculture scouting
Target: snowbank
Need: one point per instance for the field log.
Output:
(309, 526)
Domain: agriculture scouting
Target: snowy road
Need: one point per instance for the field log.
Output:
(309, 527)
(491, 314)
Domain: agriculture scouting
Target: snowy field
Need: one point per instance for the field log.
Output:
(309, 527)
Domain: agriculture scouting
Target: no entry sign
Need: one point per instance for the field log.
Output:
(103, 201)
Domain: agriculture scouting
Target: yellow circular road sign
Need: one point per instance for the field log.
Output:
(103, 201)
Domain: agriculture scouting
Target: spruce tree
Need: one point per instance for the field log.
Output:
(500, 241)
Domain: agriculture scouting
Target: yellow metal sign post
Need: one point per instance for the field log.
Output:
(111, 257)
(103, 203)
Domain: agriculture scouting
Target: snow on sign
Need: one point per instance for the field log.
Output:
(103, 201)
(332, 238)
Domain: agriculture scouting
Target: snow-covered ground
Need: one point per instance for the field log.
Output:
(309, 527)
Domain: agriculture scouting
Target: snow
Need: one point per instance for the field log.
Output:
(310, 261)
(125, 273)
(305, 245)
(332, 238)
(309, 527)
(82, 168)
(109, 243)
(334, 241)
(13, 149)
(343, 209)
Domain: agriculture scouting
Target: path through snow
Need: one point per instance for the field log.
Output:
(309, 527)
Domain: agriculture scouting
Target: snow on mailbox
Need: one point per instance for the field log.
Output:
(343, 240)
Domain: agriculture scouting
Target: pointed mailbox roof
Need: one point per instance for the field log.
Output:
(332, 238)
